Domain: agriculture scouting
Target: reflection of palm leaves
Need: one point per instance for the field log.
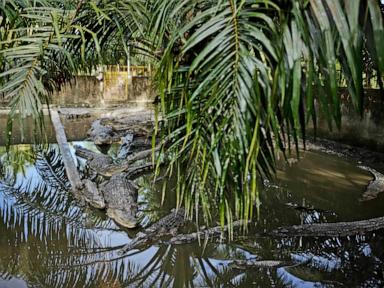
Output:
(5, 275)
(50, 167)
(44, 210)
(39, 202)
(2, 170)
(103, 273)
(37, 210)
(174, 266)
(18, 204)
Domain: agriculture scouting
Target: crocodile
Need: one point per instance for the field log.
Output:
(97, 162)
(101, 134)
(126, 165)
(125, 147)
(120, 195)
(107, 130)
(375, 187)
(166, 226)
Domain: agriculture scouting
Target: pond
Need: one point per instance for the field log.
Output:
(48, 240)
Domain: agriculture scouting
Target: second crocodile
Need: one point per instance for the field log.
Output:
(120, 195)
(102, 134)
(166, 226)
(97, 162)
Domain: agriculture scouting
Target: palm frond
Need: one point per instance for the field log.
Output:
(238, 82)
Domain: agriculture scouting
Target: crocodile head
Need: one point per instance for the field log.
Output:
(92, 195)
(124, 218)
(100, 163)
(97, 202)
(103, 139)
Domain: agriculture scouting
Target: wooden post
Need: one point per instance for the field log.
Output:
(69, 163)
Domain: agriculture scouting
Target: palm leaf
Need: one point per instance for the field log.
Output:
(233, 91)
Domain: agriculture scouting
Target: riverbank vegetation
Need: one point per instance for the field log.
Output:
(237, 81)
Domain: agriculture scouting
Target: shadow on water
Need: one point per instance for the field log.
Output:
(48, 240)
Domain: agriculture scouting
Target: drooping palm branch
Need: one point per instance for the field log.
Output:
(238, 81)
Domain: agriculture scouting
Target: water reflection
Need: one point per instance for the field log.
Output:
(48, 240)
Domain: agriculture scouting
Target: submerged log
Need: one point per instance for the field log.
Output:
(69, 164)
(338, 229)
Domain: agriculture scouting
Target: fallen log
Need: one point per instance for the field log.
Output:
(82, 191)
(337, 229)
(69, 164)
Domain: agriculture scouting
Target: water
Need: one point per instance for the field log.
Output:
(25, 131)
(47, 240)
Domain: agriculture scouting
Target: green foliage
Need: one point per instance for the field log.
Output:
(239, 81)
(43, 44)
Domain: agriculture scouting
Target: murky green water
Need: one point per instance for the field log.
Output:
(47, 240)
(26, 131)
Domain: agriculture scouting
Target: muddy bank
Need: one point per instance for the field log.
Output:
(361, 156)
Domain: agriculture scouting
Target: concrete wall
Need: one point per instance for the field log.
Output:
(366, 131)
(112, 90)
(82, 91)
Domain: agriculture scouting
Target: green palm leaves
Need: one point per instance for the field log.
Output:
(45, 43)
(34, 57)
(238, 81)
(218, 110)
